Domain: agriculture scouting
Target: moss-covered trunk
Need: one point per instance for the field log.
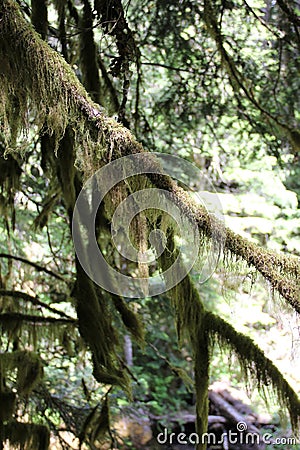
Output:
(190, 317)
(202, 384)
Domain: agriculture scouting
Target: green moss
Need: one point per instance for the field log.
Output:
(27, 436)
(95, 326)
(29, 370)
(7, 405)
(190, 315)
(33, 77)
(254, 364)
(130, 319)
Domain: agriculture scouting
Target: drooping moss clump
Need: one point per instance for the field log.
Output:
(26, 436)
(29, 370)
(204, 330)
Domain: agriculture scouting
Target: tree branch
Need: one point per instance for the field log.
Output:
(254, 363)
(23, 53)
(35, 265)
(18, 317)
(33, 300)
(236, 78)
(289, 12)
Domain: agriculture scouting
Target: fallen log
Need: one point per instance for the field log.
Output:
(187, 417)
(238, 404)
(228, 411)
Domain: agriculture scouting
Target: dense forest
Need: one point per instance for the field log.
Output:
(150, 222)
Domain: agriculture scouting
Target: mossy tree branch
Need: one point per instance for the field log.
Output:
(33, 71)
(204, 329)
(36, 266)
(6, 318)
(254, 363)
(85, 136)
(33, 300)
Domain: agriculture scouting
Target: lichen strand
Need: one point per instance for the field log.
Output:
(254, 364)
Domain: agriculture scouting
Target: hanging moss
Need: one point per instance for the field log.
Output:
(129, 318)
(96, 328)
(103, 422)
(33, 77)
(190, 316)
(33, 332)
(255, 365)
(30, 372)
(29, 369)
(97, 424)
(7, 405)
(37, 76)
(48, 204)
(283, 272)
(203, 329)
(27, 436)
(10, 173)
(239, 82)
